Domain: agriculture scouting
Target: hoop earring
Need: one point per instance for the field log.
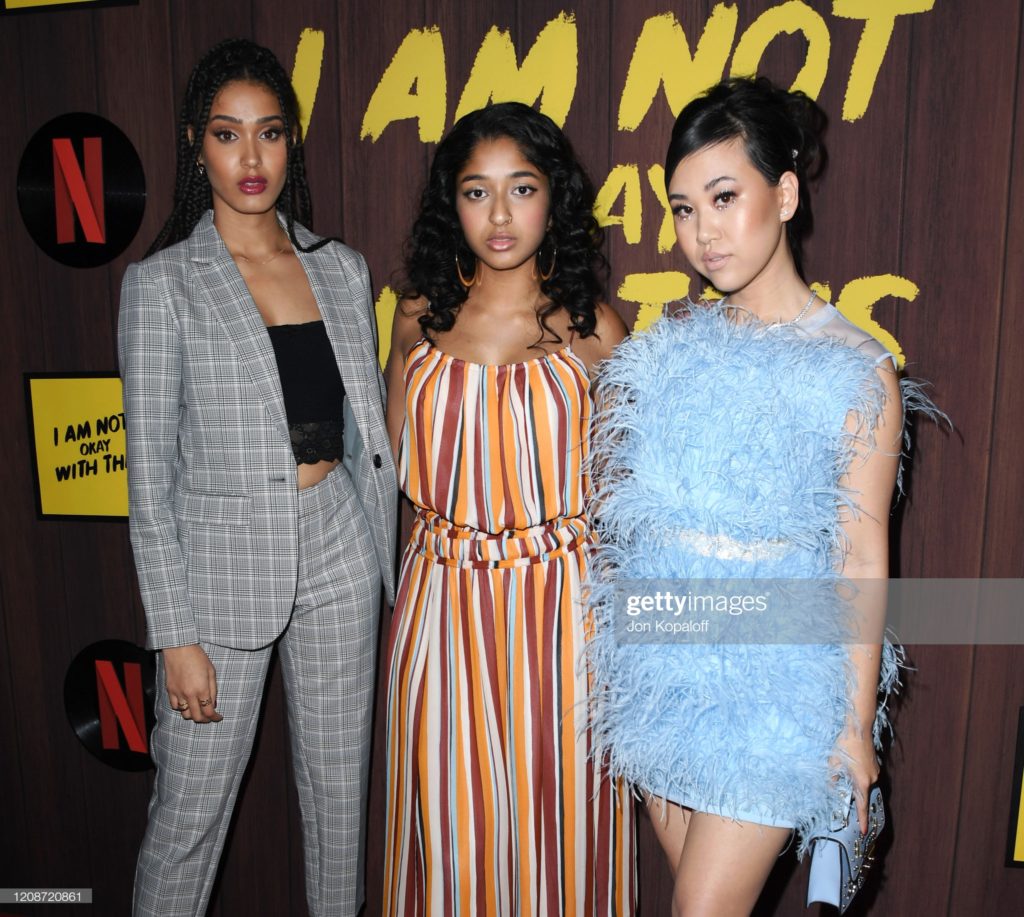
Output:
(542, 274)
(462, 279)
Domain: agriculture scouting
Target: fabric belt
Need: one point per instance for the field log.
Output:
(444, 542)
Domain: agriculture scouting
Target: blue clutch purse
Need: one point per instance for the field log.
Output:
(841, 858)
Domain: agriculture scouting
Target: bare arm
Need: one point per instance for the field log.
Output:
(871, 478)
(405, 332)
(611, 331)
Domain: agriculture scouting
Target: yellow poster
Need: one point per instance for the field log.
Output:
(78, 439)
(1018, 837)
(1015, 840)
(17, 5)
(28, 4)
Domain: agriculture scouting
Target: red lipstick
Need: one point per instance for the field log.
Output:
(255, 184)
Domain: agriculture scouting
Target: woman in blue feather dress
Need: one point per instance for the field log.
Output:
(755, 438)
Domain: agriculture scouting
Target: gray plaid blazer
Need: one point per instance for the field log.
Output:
(212, 501)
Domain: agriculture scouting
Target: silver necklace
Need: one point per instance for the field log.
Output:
(803, 311)
(810, 302)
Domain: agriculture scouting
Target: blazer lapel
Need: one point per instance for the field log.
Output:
(225, 292)
(339, 312)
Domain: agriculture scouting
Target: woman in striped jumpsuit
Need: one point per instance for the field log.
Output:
(494, 805)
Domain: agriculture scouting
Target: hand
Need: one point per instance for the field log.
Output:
(191, 683)
(861, 764)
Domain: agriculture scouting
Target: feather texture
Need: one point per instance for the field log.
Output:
(715, 433)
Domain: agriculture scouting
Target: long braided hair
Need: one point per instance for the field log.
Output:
(235, 59)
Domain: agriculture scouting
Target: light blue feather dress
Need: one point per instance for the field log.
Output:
(719, 452)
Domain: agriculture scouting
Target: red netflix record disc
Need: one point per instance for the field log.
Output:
(81, 190)
(109, 691)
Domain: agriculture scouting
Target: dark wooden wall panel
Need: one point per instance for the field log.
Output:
(51, 323)
(380, 181)
(14, 511)
(953, 488)
(963, 172)
(929, 184)
(981, 882)
(192, 34)
(1004, 518)
(858, 204)
(148, 119)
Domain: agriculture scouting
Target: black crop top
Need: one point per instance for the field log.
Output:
(312, 388)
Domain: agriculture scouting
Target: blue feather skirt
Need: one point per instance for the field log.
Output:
(719, 452)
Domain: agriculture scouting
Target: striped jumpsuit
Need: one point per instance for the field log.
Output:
(494, 807)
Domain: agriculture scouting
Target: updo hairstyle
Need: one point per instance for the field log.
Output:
(782, 132)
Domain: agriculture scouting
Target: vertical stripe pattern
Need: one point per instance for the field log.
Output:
(494, 807)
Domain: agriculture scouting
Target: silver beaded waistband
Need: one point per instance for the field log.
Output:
(725, 547)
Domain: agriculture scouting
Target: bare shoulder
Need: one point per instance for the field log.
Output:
(406, 329)
(892, 411)
(610, 324)
(609, 331)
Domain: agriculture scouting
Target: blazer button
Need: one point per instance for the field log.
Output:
(376, 461)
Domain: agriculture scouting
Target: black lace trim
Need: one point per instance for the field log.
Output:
(317, 442)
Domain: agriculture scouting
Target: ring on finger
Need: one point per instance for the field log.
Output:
(182, 707)
(205, 703)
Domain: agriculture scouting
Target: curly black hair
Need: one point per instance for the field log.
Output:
(573, 241)
(782, 132)
(241, 60)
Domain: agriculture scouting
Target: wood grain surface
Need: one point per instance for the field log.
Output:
(927, 185)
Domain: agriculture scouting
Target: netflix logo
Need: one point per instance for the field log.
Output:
(108, 696)
(81, 190)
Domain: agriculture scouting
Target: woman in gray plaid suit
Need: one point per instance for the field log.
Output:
(261, 488)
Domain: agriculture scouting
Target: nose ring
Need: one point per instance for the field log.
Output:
(504, 222)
